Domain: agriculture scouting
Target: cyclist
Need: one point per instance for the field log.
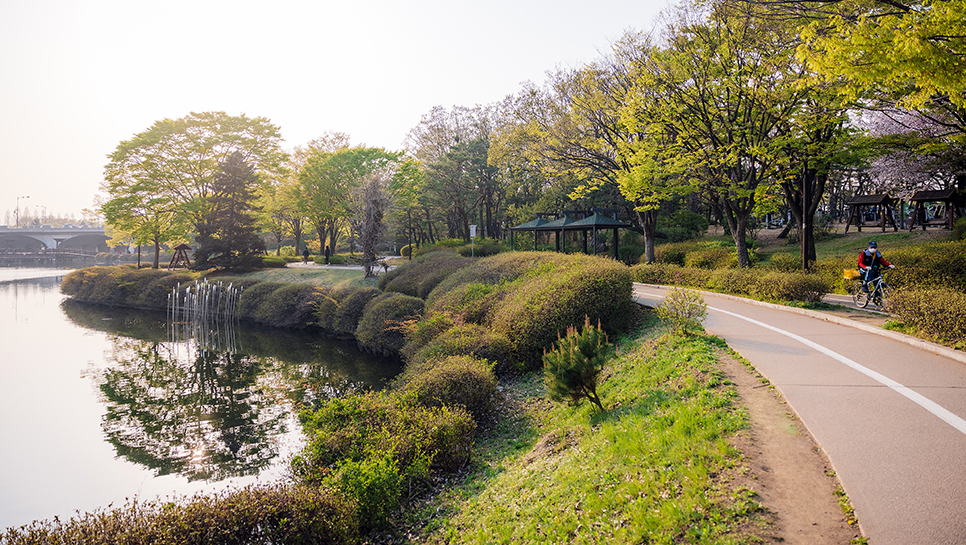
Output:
(869, 261)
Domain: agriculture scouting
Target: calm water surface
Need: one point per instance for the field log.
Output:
(98, 405)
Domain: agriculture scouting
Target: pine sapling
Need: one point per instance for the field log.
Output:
(572, 367)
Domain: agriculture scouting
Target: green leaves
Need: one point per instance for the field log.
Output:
(571, 369)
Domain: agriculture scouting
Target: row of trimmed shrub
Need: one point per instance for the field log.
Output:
(937, 313)
(254, 515)
(508, 307)
(700, 254)
(770, 285)
(372, 317)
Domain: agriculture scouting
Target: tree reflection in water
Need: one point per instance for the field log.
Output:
(218, 406)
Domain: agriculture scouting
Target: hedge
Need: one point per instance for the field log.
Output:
(452, 381)
(382, 327)
(253, 515)
(938, 313)
(750, 282)
(473, 340)
(418, 277)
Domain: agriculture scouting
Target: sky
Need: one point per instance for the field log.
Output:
(79, 77)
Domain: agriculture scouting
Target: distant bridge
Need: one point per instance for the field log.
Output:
(68, 238)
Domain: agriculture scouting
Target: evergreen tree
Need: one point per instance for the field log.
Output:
(228, 236)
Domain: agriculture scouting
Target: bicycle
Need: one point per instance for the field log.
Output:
(878, 291)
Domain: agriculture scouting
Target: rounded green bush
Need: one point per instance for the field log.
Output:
(155, 294)
(253, 297)
(383, 323)
(785, 262)
(418, 277)
(346, 319)
(455, 380)
(273, 262)
(937, 312)
(474, 340)
(544, 305)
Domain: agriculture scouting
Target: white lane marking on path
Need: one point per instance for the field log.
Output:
(944, 414)
(938, 410)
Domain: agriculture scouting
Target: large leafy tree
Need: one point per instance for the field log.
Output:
(914, 50)
(228, 236)
(719, 99)
(140, 211)
(329, 182)
(173, 164)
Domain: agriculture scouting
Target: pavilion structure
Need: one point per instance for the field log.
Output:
(946, 201)
(881, 202)
(591, 222)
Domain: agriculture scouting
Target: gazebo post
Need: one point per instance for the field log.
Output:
(615, 245)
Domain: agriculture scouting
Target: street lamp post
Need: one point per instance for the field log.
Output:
(18, 209)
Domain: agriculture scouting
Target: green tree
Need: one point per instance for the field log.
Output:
(914, 51)
(571, 369)
(138, 209)
(228, 237)
(174, 163)
(719, 99)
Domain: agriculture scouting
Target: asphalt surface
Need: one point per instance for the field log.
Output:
(889, 410)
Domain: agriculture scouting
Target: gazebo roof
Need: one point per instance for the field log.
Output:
(530, 225)
(556, 224)
(596, 222)
(929, 196)
(862, 200)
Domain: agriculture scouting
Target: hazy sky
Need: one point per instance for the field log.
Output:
(78, 77)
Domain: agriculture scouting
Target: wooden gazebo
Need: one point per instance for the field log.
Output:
(947, 197)
(883, 205)
(180, 258)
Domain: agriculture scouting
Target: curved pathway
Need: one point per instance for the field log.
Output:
(889, 410)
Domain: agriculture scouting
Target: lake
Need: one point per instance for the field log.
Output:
(99, 405)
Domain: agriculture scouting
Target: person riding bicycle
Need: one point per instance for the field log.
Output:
(869, 261)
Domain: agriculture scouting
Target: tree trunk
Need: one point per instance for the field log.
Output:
(648, 219)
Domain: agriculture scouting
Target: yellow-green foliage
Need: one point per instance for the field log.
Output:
(287, 305)
(363, 425)
(701, 254)
(939, 312)
(685, 310)
(119, 286)
(382, 326)
(545, 304)
(452, 381)
(473, 340)
(262, 514)
(784, 262)
(751, 282)
(419, 276)
(351, 310)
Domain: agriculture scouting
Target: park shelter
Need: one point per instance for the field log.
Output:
(531, 225)
(180, 257)
(946, 198)
(596, 223)
(881, 203)
(560, 226)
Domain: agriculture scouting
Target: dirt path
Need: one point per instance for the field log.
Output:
(790, 473)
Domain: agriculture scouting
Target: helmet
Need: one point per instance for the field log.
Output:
(872, 244)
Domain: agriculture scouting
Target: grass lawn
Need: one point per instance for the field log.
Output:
(656, 467)
(316, 276)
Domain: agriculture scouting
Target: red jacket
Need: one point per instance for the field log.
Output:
(867, 259)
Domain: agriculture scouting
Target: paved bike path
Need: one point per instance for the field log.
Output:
(890, 416)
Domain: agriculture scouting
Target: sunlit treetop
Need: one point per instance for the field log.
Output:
(912, 52)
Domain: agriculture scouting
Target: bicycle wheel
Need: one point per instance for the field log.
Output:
(859, 297)
(882, 295)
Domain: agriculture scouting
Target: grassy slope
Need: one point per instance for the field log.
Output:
(316, 276)
(655, 468)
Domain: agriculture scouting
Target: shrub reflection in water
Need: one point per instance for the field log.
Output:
(214, 399)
